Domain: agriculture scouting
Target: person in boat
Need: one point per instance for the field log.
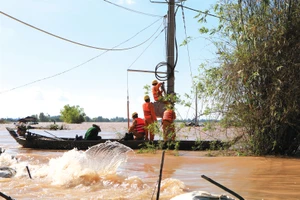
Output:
(138, 127)
(21, 129)
(168, 125)
(150, 118)
(92, 133)
(157, 90)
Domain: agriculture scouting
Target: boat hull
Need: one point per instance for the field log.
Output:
(36, 141)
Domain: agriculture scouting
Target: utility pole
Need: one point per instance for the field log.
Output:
(171, 44)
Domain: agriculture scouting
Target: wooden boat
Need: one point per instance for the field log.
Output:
(37, 141)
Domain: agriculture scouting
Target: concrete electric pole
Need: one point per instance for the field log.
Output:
(170, 49)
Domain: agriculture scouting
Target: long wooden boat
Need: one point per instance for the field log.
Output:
(37, 141)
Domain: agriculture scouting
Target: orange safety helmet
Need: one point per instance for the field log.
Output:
(133, 114)
(154, 82)
(146, 97)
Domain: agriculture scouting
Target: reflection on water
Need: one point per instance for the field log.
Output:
(125, 174)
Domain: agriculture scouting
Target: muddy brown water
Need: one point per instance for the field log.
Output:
(59, 175)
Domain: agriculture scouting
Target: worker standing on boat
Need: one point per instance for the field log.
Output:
(168, 123)
(138, 127)
(150, 118)
(157, 90)
(92, 133)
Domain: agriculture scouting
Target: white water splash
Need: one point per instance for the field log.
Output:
(6, 161)
(74, 165)
(17, 168)
(106, 157)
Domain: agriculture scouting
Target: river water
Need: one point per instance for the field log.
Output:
(55, 174)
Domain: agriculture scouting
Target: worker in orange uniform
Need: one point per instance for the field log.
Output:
(150, 118)
(168, 123)
(137, 127)
(157, 90)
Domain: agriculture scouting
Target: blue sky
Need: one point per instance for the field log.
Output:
(99, 86)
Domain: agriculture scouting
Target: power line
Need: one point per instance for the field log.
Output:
(138, 58)
(77, 43)
(206, 13)
(146, 48)
(186, 38)
(187, 48)
(77, 66)
(152, 15)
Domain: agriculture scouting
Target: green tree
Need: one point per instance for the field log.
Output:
(55, 118)
(43, 117)
(100, 119)
(72, 114)
(87, 119)
(256, 85)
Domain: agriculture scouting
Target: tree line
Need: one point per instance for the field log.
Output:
(75, 114)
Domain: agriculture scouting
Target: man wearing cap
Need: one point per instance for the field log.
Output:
(150, 118)
(156, 90)
(137, 127)
(92, 133)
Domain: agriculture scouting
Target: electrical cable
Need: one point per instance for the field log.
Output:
(188, 52)
(77, 43)
(187, 44)
(170, 69)
(176, 45)
(146, 48)
(138, 58)
(201, 12)
(77, 66)
(152, 15)
(157, 76)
